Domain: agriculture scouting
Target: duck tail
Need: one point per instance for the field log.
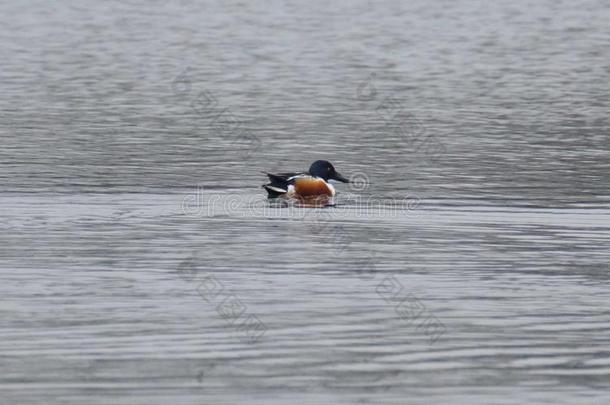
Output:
(277, 185)
(272, 191)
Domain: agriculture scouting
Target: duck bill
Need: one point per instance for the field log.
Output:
(340, 178)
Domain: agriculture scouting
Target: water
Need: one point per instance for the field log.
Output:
(477, 131)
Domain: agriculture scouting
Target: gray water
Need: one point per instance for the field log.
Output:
(467, 264)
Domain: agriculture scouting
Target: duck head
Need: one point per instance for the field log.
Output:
(326, 171)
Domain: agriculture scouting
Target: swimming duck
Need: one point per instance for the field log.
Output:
(311, 184)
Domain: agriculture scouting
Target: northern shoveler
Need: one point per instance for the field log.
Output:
(306, 185)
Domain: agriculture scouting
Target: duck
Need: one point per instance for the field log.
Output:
(313, 183)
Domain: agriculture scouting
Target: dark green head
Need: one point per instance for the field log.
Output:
(326, 171)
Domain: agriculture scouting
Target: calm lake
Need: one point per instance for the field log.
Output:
(141, 262)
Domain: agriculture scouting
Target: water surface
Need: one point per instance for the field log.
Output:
(478, 132)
